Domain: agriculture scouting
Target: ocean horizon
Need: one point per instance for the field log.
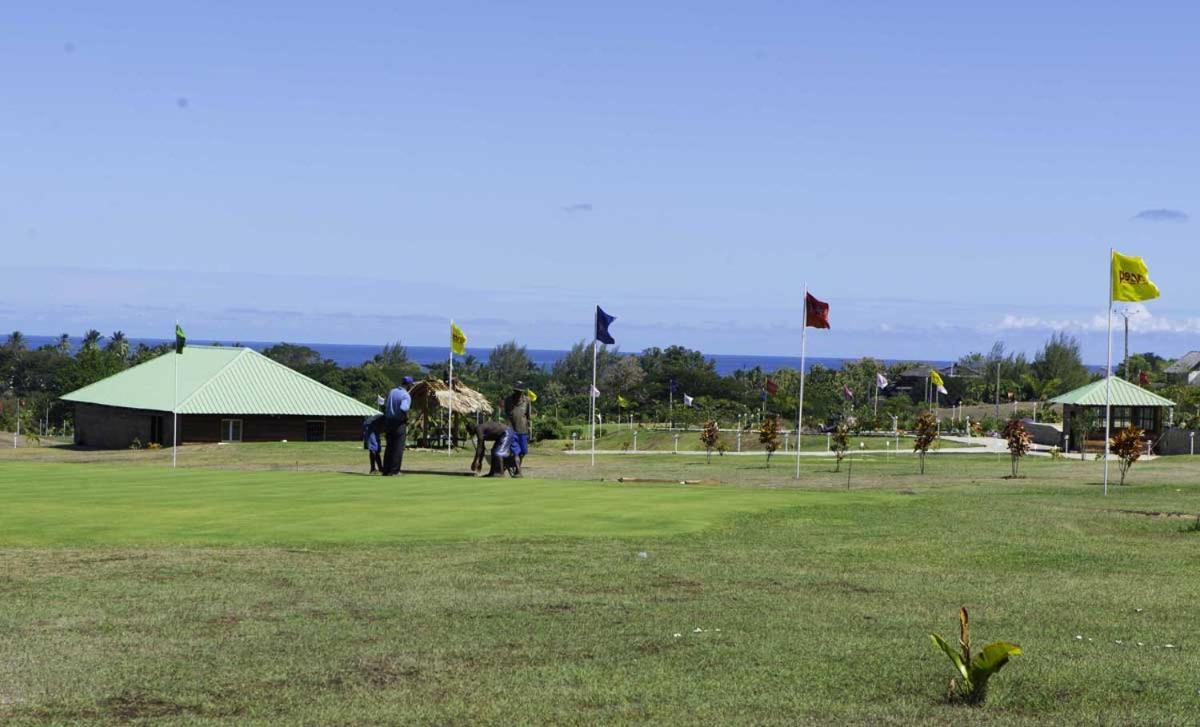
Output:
(349, 355)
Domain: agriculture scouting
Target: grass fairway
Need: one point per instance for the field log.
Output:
(237, 594)
(62, 505)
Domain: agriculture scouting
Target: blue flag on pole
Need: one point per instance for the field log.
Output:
(602, 322)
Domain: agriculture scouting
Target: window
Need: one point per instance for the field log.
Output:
(314, 431)
(1120, 417)
(231, 430)
(156, 429)
(1145, 418)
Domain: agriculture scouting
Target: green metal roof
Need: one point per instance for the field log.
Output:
(1123, 394)
(219, 380)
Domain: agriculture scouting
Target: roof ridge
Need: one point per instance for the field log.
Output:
(294, 372)
(215, 376)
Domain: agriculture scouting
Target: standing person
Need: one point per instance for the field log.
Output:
(372, 427)
(395, 418)
(519, 413)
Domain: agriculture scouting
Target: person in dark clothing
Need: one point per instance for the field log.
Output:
(502, 457)
(372, 430)
(519, 413)
(395, 423)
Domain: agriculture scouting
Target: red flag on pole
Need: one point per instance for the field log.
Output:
(818, 312)
(771, 387)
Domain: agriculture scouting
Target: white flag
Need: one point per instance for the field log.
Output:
(687, 400)
(881, 381)
(595, 393)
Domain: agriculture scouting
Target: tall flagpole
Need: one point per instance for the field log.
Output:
(450, 410)
(803, 352)
(592, 397)
(1108, 375)
(175, 402)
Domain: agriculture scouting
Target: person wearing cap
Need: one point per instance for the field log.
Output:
(519, 413)
(395, 424)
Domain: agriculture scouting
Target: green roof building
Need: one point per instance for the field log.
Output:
(221, 395)
(1083, 412)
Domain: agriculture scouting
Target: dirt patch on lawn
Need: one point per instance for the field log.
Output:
(1159, 515)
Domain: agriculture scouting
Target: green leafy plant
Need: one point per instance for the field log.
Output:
(839, 442)
(973, 671)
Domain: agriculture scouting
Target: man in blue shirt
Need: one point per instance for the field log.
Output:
(395, 424)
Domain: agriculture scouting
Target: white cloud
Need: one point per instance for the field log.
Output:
(1140, 320)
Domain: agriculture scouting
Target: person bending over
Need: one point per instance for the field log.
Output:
(502, 456)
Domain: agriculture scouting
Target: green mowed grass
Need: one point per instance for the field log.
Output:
(62, 505)
(248, 596)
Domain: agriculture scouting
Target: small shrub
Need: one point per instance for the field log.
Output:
(977, 670)
(1019, 442)
(154, 445)
(839, 442)
(710, 437)
(1127, 445)
(926, 436)
(135, 444)
(768, 436)
(548, 428)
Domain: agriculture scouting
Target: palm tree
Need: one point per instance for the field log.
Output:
(16, 341)
(91, 340)
(118, 344)
(64, 344)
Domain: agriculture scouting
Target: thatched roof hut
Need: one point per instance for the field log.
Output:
(430, 400)
(431, 394)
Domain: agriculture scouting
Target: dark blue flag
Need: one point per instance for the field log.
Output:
(674, 386)
(603, 320)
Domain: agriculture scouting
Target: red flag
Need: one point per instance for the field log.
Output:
(817, 312)
(771, 387)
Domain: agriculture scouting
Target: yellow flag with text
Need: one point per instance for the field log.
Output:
(532, 396)
(458, 340)
(1131, 279)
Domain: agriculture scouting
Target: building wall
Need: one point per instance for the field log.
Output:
(208, 428)
(109, 427)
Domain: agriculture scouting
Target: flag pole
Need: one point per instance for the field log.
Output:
(803, 352)
(592, 397)
(175, 402)
(1108, 375)
(450, 409)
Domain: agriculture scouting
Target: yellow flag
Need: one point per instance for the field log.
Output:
(1131, 279)
(532, 396)
(936, 378)
(458, 340)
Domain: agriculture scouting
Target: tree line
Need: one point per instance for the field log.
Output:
(636, 385)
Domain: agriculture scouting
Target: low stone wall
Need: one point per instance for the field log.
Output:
(1049, 435)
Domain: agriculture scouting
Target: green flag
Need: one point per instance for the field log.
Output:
(180, 339)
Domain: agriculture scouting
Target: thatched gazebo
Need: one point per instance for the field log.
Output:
(430, 400)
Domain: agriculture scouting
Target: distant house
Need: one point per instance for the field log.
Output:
(222, 395)
(1131, 404)
(915, 380)
(1186, 370)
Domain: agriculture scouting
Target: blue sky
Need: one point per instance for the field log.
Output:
(944, 175)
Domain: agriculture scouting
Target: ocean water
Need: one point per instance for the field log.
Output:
(350, 354)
